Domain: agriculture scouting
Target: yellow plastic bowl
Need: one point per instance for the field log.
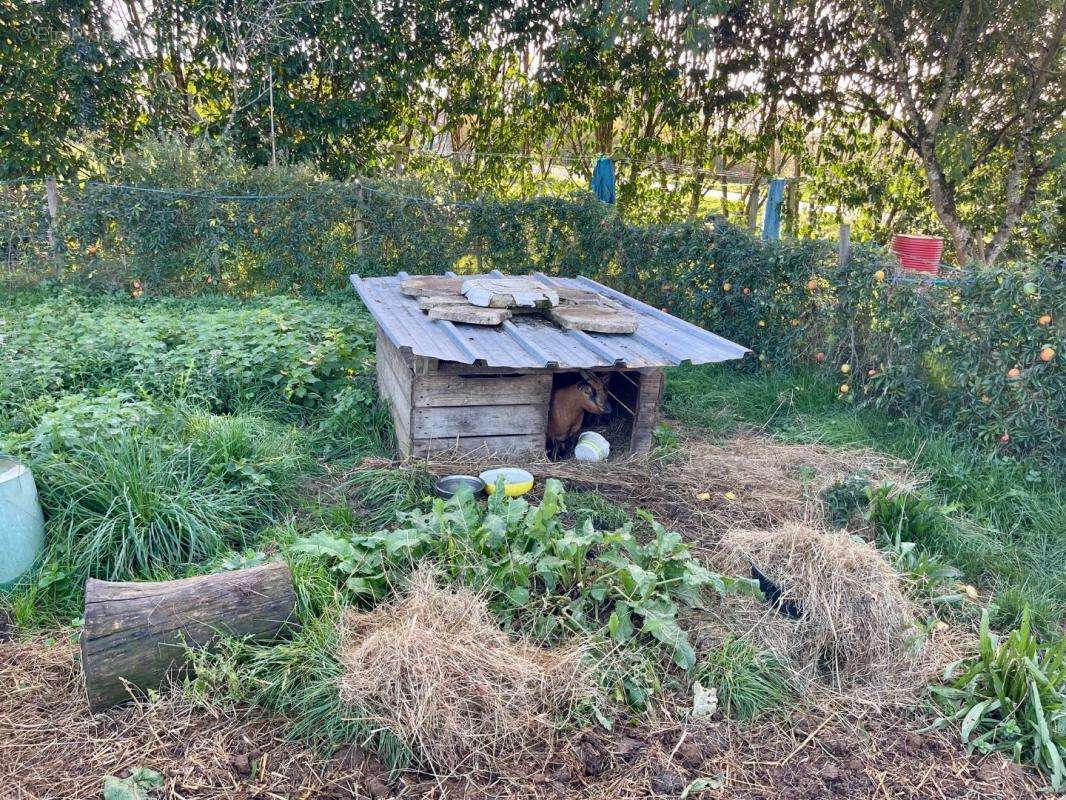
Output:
(516, 482)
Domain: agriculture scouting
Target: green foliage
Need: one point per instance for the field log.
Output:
(1011, 698)
(81, 419)
(247, 452)
(139, 785)
(356, 424)
(537, 575)
(931, 581)
(749, 681)
(604, 514)
(903, 516)
(276, 353)
(845, 499)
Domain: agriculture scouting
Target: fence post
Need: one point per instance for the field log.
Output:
(844, 244)
(360, 226)
(792, 225)
(52, 196)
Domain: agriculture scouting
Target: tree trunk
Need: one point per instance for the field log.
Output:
(135, 633)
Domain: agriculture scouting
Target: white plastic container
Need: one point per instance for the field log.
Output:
(21, 521)
(591, 447)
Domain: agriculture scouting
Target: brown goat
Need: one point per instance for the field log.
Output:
(568, 407)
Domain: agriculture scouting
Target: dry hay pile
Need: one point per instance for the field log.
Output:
(855, 622)
(436, 670)
(707, 487)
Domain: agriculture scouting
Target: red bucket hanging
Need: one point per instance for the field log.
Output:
(918, 253)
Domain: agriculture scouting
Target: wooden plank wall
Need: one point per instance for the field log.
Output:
(436, 407)
(648, 400)
(434, 411)
(395, 382)
(495, 413)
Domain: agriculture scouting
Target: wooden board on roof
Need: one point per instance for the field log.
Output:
(593, 319)
(429, 285)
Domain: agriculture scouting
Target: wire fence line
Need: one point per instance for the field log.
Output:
(305, 226)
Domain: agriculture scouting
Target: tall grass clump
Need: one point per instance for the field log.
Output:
(136, 506)
(384, 493)
(246, 451)
(748, 680)
(300, 679)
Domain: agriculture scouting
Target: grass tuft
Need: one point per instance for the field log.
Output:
(138, 507)
(383, 493)
(749, 681)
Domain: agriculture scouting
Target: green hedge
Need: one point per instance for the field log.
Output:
(943, 351)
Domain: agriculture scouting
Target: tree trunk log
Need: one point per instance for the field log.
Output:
(136, 633)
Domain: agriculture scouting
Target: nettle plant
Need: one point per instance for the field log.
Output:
(540, 577)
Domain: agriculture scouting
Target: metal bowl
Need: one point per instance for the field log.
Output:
(447, 486)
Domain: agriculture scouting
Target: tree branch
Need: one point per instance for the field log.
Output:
(950, 68)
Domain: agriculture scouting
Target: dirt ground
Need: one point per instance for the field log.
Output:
(52, 747)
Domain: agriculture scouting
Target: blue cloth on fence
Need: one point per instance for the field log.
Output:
(771, 224)
(603, 180)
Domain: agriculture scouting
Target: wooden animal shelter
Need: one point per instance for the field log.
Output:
(471, 362)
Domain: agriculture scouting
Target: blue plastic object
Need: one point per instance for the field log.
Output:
(21, 521)
(603, 180)
(771, 223)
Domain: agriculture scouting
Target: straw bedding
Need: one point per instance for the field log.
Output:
(436, 670)
(855, 629)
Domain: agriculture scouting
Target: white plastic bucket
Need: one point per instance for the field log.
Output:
(591, 447)
(21, 521)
